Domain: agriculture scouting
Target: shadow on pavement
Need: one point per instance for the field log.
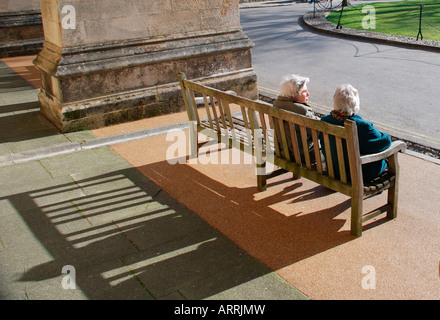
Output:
(127, 239)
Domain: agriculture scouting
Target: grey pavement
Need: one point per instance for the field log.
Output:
(87, 215)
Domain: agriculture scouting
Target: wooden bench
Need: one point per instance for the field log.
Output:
(251, 129)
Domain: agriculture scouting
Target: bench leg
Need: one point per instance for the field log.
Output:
(356, 215)
(393, 191)
(260, 162)
(193, 140)
(261, 177)
(295, 176)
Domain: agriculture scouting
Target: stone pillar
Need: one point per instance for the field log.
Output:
(110, 61)
(21, 32)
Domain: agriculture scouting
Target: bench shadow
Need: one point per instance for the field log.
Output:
(126, 239)
(273, 237)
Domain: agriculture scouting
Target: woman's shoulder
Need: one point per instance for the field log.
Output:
(357, 118)
(360, 121)
(330, 119)
(291, 105)
(281, 102)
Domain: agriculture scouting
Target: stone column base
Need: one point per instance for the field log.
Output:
(137, 104)
(95, 86)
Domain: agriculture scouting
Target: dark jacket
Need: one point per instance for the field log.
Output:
(371, 141)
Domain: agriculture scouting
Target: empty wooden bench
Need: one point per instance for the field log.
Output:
(251, 129)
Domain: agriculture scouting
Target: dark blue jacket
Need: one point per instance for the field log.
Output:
(371, 141)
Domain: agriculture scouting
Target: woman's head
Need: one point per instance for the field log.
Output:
(294, 86)
(346, 100)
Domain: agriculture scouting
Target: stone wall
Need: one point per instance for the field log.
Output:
(108, 21)
(19, 5)
(21, 32)
(121, 60)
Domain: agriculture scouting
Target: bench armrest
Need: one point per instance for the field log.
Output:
(395, 147)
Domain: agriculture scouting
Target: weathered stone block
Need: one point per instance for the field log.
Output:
(21, 32)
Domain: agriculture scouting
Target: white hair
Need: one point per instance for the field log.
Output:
(293, 85)
(346, 99)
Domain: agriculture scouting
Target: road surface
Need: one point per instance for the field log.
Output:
(398, 86)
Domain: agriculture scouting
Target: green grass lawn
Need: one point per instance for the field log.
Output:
(398, 18)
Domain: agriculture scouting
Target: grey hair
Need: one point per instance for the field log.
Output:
(293, 85)
(346, 99)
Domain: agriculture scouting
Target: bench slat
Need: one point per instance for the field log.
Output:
(246, 123)
(275, 137)
(285, 147)
(295, 144)
(256, 130)
(221, 112)
(341, 160)
(305, 145)
(206, 103)
(193, 99)
(317, 151)
(328, 155)
(263, 125)
(214, 111)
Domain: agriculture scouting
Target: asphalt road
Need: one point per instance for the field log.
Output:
(399, 87)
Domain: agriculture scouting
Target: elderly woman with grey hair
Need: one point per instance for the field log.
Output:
(346, 105)
(293, 97)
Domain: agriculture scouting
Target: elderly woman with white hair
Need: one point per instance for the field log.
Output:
(293, 97)
(346, 105)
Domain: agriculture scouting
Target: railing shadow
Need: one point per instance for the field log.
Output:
(127, 239)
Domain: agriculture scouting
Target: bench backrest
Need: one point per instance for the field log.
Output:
(259, 116)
